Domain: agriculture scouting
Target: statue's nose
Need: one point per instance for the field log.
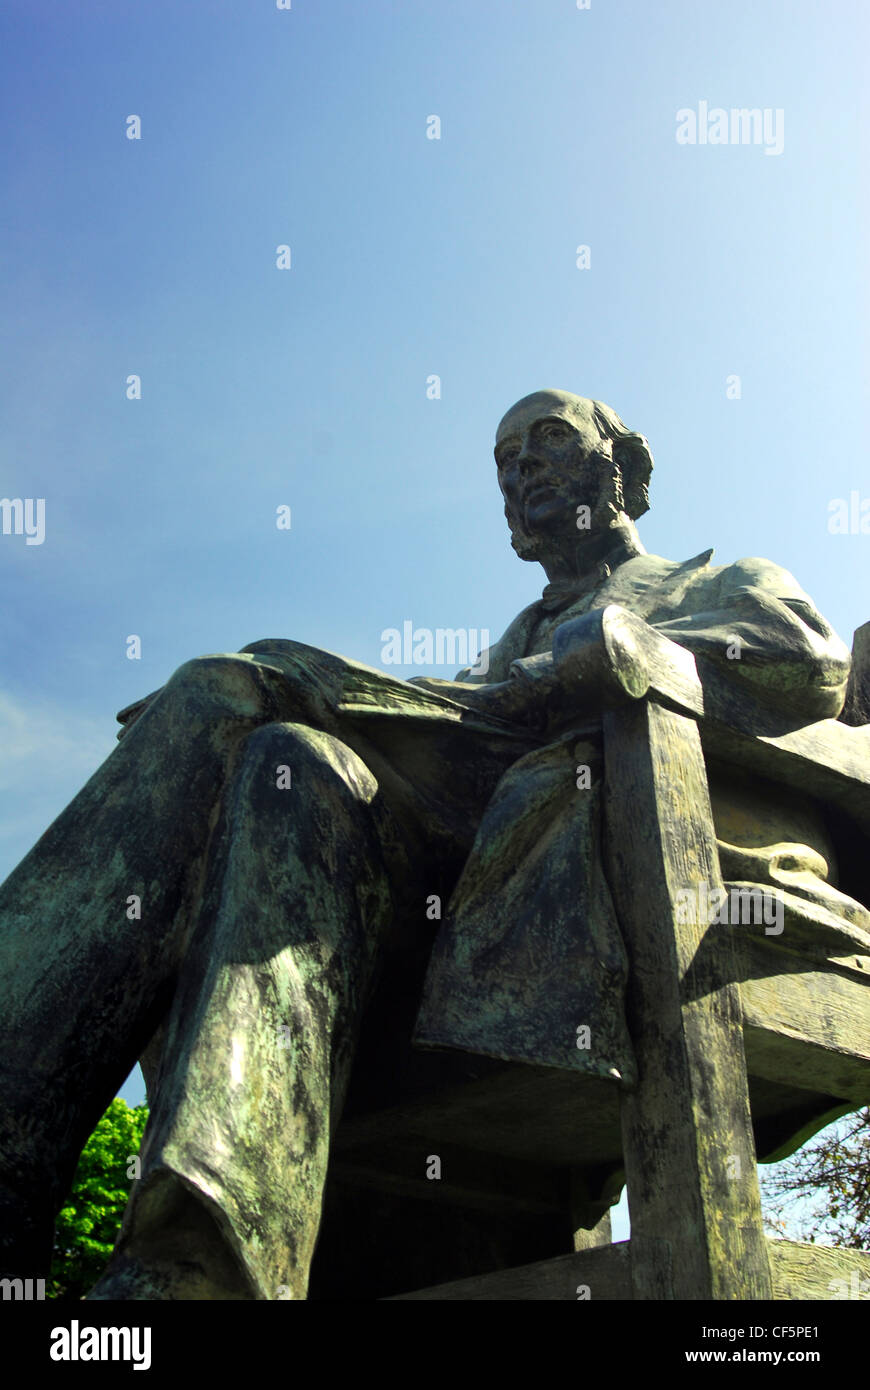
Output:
(526, 458)
(528, 462)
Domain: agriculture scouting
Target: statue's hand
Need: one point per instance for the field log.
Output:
(513, 701)
(508, 701)
(597, 660)
(127, 717)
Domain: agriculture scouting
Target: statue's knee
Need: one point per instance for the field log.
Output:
(288, 751)
(225, 684)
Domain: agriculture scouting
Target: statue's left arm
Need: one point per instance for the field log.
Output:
(758, 627)
(749, 623)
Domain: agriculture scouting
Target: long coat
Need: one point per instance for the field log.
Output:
(528, 962)
(530, 952)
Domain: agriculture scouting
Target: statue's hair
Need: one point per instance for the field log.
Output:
(631, 451)
(633, 454)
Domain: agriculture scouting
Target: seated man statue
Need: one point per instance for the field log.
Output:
(222, 897)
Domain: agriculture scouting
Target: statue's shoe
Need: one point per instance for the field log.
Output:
(128, 1277)
(171, 1247)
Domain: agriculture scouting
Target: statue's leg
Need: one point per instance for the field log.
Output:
(93, 927)
(260, 1039)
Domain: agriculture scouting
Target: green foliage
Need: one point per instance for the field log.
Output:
(88, 1222)
(822, 1193)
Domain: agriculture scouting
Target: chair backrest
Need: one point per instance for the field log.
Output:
(857, 707)
(704, 1026)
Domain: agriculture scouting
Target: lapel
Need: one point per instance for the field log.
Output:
(649, 583)
(644, 585)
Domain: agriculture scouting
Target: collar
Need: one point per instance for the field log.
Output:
(564, 591)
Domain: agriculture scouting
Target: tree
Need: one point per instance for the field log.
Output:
(88, 1223)
(822, 1192)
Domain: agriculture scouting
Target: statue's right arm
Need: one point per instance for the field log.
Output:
(127, 717)
(512, 700)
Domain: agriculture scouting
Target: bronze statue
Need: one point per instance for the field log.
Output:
(227, 891)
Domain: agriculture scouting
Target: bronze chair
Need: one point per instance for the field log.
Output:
(745, 1049)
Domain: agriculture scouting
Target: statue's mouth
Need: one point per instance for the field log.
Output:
(541, 492)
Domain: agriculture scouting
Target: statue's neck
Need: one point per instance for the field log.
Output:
(578, 561)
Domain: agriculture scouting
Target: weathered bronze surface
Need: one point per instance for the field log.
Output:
(285, 816)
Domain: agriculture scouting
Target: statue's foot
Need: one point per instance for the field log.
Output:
(171, 1248)
(131, 1277)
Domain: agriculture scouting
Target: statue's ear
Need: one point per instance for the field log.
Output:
(634, 457)
(624, 456)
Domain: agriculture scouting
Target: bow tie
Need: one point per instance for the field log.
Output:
(564, 591)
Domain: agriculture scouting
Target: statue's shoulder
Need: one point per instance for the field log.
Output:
(270, 644)
(759, 573)
(753, 571)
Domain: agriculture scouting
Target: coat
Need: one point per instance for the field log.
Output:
(529, 964)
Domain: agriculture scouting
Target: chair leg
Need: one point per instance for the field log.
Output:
(689, 1152)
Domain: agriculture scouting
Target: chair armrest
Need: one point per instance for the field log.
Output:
(631, 660)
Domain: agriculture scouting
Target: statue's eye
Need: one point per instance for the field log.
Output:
(506, 456)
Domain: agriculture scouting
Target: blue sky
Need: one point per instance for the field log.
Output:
(409, 257)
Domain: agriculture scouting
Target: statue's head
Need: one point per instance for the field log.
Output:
(557, 452)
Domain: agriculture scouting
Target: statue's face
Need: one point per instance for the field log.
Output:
(549, 461)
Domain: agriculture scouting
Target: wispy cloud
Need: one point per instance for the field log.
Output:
(42, 736)
(47, 752)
